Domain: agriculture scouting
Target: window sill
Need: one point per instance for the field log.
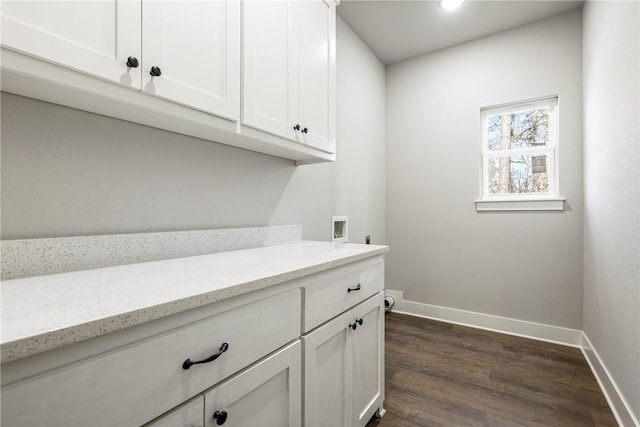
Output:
(551, 204)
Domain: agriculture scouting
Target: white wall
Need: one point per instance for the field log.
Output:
(67, 172)
(355, 184)
(612, 190)
(526, 266)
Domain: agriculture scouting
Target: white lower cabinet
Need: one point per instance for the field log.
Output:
(187, 415)
(344, 367)
(265, 395)
(368, 360)
(268, 394)
(108, 388)
(235, 364)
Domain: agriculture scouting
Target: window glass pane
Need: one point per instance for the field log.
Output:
(519, 129)
(525, 174)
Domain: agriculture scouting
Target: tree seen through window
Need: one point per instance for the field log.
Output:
(518, 172)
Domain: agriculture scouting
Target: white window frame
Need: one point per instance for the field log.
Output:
(533, 201)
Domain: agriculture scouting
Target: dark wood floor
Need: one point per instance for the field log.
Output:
(439, 374)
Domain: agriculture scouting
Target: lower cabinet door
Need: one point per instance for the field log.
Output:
(368, 360)
(267, 394)
(344, 367)
(187, 415)
(328, 370)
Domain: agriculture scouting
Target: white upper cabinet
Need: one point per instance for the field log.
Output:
(289, 70)
(316, 21)
(195, 47)
(270, 102)
(95, 37)
(255, 74)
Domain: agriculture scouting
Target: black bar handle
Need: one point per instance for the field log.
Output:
(188, 363)
(353, 288)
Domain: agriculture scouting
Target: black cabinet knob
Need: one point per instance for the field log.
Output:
(132, 62)
(296, 127)
(155, 71)
(220, 417)
(353, 326)
(305, 130)
(359, 321)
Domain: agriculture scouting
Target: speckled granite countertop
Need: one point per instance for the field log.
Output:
(46, 312)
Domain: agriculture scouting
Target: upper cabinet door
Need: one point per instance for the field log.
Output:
(317, 50)
(270, 75)
(289, 70)
(194, 46)
(95, 37)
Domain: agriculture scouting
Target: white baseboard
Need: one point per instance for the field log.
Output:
(505, 325)
(536, 331)
(618, 404)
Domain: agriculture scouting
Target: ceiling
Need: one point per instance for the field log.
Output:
(396, 30)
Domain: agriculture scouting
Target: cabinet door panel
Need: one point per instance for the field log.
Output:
(196, 44)
(188, 415)
(368, 355)
(95, 37)
(316, 20)
(329, 373)
(268, 394)
(269, 67)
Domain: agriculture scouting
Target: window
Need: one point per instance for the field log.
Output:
(519, 152)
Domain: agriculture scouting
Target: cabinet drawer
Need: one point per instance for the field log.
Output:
(188, 415)
(133, 385)
(330, 294)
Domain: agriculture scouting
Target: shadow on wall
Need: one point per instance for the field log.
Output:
(67, 172)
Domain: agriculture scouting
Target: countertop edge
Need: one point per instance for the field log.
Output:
(14, 350)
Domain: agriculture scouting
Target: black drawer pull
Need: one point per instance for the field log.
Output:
(353, 326)
(188, 363)
(353, 288)
(359, 321)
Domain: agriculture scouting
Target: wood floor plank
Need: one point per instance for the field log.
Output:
(440, 374)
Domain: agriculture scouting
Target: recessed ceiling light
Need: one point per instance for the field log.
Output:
(450, 4)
